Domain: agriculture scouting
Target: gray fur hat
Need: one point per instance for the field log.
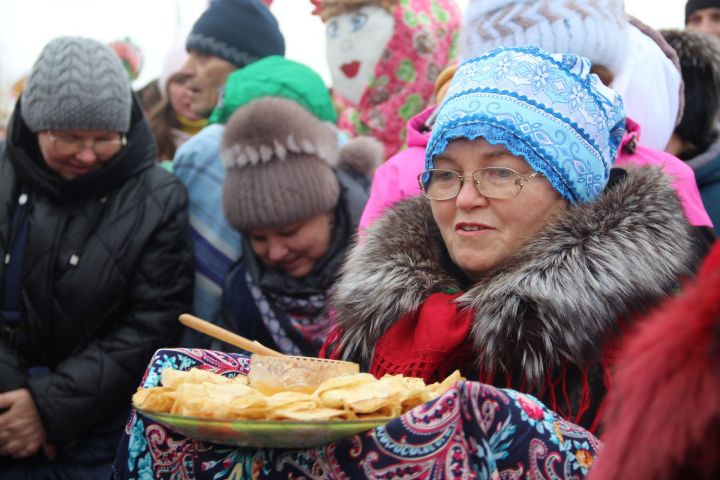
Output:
(280, 164)
(699, 56)
(77, 84)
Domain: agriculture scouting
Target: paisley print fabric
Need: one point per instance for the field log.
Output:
(473, 431)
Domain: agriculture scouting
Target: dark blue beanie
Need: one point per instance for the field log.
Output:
(693, 5)
(239, 31)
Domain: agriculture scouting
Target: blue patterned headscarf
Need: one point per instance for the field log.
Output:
(545, 108)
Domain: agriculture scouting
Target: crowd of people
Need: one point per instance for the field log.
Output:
(527, 191)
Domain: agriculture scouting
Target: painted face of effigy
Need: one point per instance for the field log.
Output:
(355, 44)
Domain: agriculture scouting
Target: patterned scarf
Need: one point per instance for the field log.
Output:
(297, 325)
(293, 309)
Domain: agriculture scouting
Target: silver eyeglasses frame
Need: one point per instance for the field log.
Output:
(77, 145)
(519, 182)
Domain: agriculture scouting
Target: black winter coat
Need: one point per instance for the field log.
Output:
(107, 268)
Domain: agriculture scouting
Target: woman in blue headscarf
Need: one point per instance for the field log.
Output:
(528, 253)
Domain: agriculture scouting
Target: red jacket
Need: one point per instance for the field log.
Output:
(663, 411)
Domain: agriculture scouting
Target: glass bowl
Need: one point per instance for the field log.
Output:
(273, 374)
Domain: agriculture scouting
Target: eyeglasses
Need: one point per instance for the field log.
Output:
(491, 182)
(70, 145)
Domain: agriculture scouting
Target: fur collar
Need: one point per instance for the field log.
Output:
(555, 300)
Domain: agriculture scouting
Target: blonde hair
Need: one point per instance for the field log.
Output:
(443, 82)
(330, 8)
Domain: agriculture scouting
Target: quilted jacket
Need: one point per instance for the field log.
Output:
(107, 268)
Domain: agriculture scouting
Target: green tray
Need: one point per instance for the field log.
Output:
(264, 433)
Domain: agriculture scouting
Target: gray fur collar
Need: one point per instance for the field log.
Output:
(555, 300)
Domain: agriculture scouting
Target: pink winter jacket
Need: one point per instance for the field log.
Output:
(396, 179)
(632, 153)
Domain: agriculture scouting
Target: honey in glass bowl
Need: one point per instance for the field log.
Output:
(273, 374)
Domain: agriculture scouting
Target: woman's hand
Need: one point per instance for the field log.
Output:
(21, 430)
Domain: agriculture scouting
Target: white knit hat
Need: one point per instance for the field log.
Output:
(596, 30)
(175, 59)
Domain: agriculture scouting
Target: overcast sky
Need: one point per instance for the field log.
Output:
(27, 25)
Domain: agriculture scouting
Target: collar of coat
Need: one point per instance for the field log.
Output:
(554, 301)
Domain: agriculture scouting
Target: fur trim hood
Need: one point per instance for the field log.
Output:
(554, 300)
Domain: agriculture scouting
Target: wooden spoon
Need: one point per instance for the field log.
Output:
(226, 335)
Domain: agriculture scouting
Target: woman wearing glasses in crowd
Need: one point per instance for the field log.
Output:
(528, 253)
(97, 263)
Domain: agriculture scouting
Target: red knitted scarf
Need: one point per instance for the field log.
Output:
(433, 341)
(429, 343)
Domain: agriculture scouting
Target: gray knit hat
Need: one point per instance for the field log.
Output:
(279, 162)
(77, 84)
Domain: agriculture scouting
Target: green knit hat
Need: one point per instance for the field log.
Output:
(275, 76)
